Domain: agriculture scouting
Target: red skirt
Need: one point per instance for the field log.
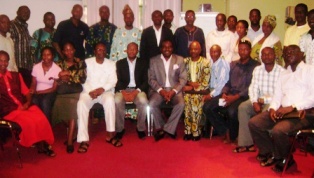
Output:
(34, 124)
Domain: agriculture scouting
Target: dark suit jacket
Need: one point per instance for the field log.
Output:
(140, 75)
(177, 73)
(149, 48)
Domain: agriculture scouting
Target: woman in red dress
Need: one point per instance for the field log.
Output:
(15, 106)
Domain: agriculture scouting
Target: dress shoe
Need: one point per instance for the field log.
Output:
(173, 136)
(159, 135)
(197, 138)
(270, 161)
(280, 165)
(119, 135)
(141, 134)
(187, 137)
(263, 157)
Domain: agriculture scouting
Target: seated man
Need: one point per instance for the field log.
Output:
(15, 106)
(166, 77)
(261, 91)
(233, 94)
(131, 87)
(98, 88)
(293, 94)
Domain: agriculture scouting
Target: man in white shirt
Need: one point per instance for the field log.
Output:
(168, 18)
(294, 33)
(293, 94)
(222, 37)
(6, 42)
(98, 88)
(261, 92)
(307, 42)
(255, 28)
(166, 77)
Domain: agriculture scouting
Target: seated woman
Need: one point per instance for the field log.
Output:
(68, 91)
(198, 71)
(267, 39)
(241, 29)
(15, 106)
(44, 82)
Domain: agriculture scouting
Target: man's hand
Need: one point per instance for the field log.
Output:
(207, 97)
(284, 110)
(93, 94)
(272, 115)
(257, 107)
(171, 94)
(195, 85)
(164, 94)
(231, 98)
(187, 88)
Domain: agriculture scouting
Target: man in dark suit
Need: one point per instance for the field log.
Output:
(153, 36)
(166, 77)
(131, 87)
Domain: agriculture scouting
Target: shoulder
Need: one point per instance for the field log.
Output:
(121, 62)
(179, 58)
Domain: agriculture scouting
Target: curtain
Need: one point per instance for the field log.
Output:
(118, 6)
(93, 10)
(150, 6)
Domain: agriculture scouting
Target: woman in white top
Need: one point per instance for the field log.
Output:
(44, 83)
(241, 29)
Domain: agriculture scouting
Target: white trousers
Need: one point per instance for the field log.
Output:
(85, 103)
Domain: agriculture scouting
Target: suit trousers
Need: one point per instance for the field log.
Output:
(85, 103)
(278, 142)
(223, 118)
(245, 113)
(178, 106)
(141, 103)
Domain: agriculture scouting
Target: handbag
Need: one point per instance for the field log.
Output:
(69, 88)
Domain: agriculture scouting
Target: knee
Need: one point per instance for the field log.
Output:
(118, 99)
(142, 99)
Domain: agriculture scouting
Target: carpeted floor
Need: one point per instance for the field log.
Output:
(143, 158)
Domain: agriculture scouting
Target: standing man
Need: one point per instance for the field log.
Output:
(21, 39)
(125, 35)
(221, 36)
(233, 94)
(231, 23)
(153, 36)
(185, 35)
(255, 27)
(98, 88)
(6, 42)
(168, 18)
(73, 30)
(132, 86)
(100, 32)
(261, 91)
(294, 33)
(307, 42)
(293, 94)
(166, 77)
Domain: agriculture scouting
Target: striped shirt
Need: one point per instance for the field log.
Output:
(263, 83)
(21, 38)
(219, 76)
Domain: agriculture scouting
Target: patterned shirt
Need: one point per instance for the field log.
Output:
(21, 38)
(263, 83)
(219, 76)
(121, 38)
(99, 33)
(77, 71)
(307, 46)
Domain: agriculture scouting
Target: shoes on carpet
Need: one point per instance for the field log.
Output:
(263, 157)
(115, 142)
(187, 137)
(270, 161)
(119, 135)
(196, 138)
(281, 164)
(242, 149)
(83, 147)
(173, 136)
(141, 134)
(159, 135)
(70, 148)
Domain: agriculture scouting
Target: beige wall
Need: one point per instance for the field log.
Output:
(241, 8)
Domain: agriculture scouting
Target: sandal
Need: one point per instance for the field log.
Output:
(83, 147)
(115, 142)
(47, 150)
(70, 148)
(263, 157)
(241, 149)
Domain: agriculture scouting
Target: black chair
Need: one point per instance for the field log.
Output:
(14, 129)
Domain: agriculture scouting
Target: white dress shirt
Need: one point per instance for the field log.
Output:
(158, 34)
(166, 65)
(132, 72)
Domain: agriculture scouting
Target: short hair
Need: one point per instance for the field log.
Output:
(310, 12)
(233, 16)
(132, 43)
(256, 10)
(168, 10)
(100, 43)
(157, 11)
(303, 6)
(246, 42)
(188, 11)
(244, 22)
(2, 52)
(51, 49)
(68, 42)
(166, 41)
(48, 13)
(223, 16)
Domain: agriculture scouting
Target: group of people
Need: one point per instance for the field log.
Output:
(239, 80)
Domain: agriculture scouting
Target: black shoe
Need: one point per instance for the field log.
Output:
(197, 138)
(187, 137)
(119, 135)
(263, 157)
(173, 136)
(70, 148)
(280, 165)
(159, 135)
(141, 134)
(270, 161)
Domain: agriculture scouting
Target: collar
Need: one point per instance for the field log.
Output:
(130, 60)
(156, 28)
(19, 22)
(163, 58)
(300, 66)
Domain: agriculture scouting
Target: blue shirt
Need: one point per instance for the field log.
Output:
(219, 76)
